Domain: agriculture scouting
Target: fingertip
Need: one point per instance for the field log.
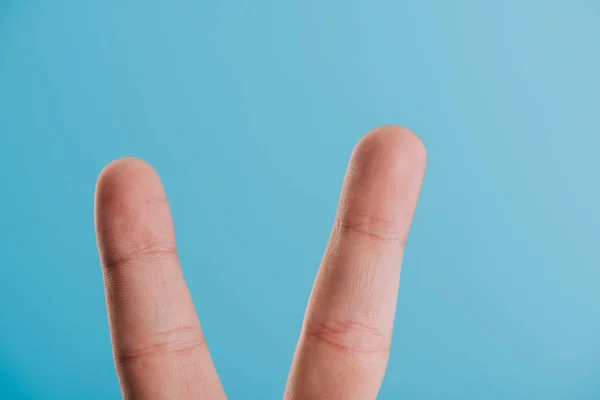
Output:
(129, 182)
(383, 181)
(131, 209)
(391, 145)
(127, 171)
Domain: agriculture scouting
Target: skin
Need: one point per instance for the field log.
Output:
(342, 353)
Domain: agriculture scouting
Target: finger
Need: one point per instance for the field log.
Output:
(345, 341)
(158, 345)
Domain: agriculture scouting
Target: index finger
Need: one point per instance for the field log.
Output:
(346, 336)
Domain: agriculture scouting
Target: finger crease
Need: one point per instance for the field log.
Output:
(373, 228)
(145, 253)
(176, 342)
(349, 336)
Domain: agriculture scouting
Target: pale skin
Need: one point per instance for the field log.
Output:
(159, 349)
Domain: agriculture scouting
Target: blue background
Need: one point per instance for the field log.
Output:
(249, 110)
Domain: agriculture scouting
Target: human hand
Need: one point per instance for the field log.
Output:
(158, 345)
